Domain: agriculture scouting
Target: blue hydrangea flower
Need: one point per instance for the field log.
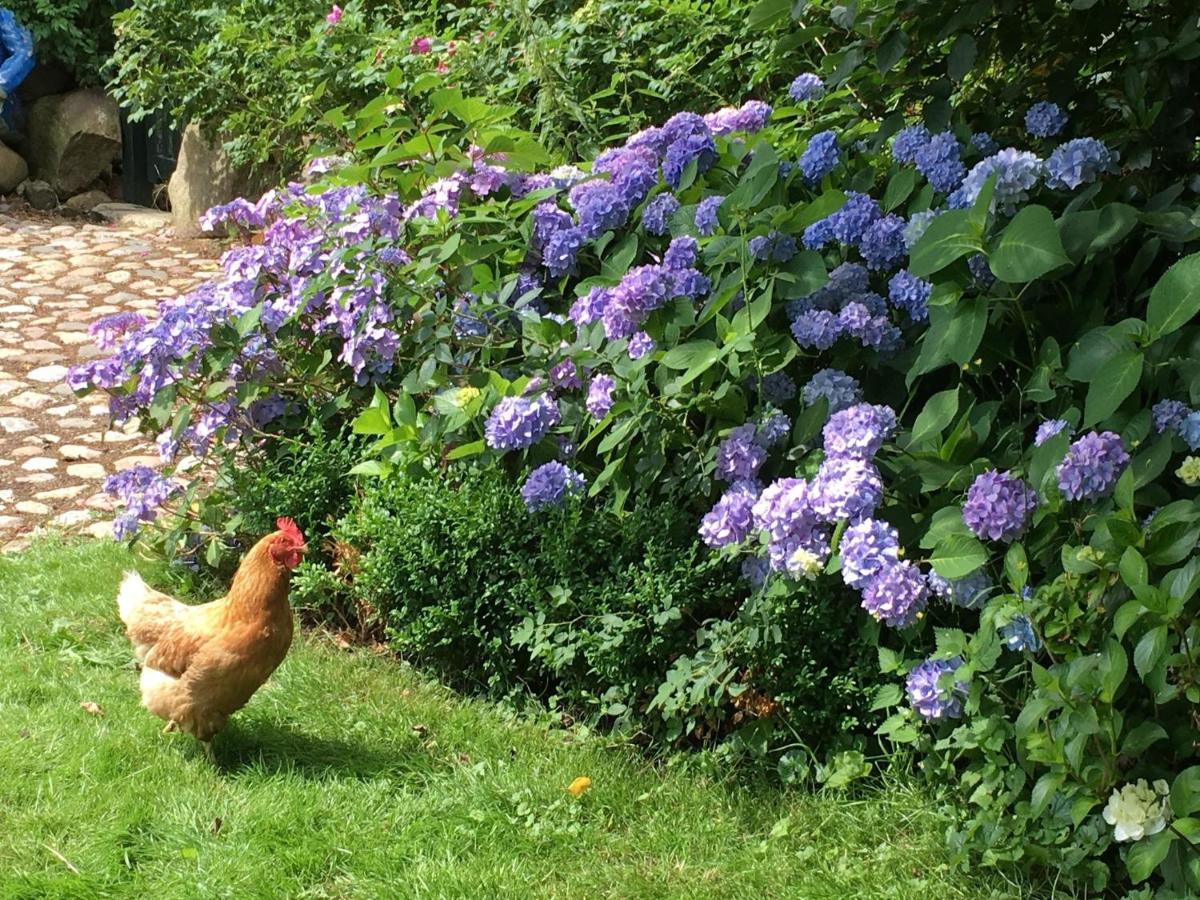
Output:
(749, 118)
(706, 214)
(850, 278)
(932, 702)
(918, 224)
(590, 307)
(908, 142)
(519, 422)
(818, 234)
(1045, 119)
(549, 485)
(939, 161)
(981, 271)
(910, 294)
(548, 220)
(820, 157)
(1078, 162)
(775, 246)
(777, 388)
(1189, 430)
(896, 594)
(740, 456)
(562, 250)
(640, 344)
(730, 520)
(755, 569)
(1168, 414)
(1017, 173)
(656, 215)
(697, 147)
(839, 389)
(817, 329)
(773, 430)
(600, 206)
(142, 491)
(998, 506)
(968, 592)
(681, 254)
(1049, 429)
(867, 547)
(882, 245)
(1019, 635)
(859, 431)
(807, 86)
(1092, 466)
(851, 222)
(983, 143)
(846, 489)
(599, 398)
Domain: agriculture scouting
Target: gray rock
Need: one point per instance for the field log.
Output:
(131, 215)
(203, 178)
(87, 201)
(38, 194)
(13, 170)
(73, 139)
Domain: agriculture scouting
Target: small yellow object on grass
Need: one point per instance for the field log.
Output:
(579, 785)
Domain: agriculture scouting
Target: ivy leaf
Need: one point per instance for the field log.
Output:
(1175, 300)
(1112, 385)
(949, 237)
(958, 556)
(1028, 248)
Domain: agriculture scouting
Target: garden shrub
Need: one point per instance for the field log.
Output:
(77, 34)
(592, 613)
(941, 374)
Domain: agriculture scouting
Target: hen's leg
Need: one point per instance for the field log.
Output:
(171, 726)
(208, 752)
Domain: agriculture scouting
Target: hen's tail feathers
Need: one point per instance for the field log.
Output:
(130, 597)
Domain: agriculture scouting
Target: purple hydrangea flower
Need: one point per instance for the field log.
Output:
(846, 489)
(820, 157)
(698, 148)
(108, 329)
(983, 143)
(730, 520)
(882, 244)
(938, 160)
(1189, 430)
(681, 254)
(1017, 173)
(932, 702)
(599, 398)
(740, 456)
(777, 388)
(840, 389)
(773, 430)
(590, 307)
(561, 251)
(750, 117)
(656, 216)
(817, 328)
(600, 206)
(968, 592)
(908, 142)
(859, 431)
(998, 506)
(1092, 466)
(550, 485)
(706, 214)
(1049, 429)
(1078, 162)
(142, 491)
(1045, 119)
(640, 344)
(806, 86)
(1168, 414)
(866, 548)
(755, 569)
(519, 422)
(641, 290)
(798, 540)
(896, 594)
(911, 294)
(564, 376)
(1019, 635)
(775, 246)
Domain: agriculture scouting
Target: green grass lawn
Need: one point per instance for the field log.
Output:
(350, 775)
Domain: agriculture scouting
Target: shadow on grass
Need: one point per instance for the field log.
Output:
(276, 748)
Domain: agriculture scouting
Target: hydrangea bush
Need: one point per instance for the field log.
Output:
(941, 375)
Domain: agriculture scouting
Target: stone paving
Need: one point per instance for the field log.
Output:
(56, 277)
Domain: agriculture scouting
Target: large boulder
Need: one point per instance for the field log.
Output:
(13, 170)
(73, 139)
(203, 178)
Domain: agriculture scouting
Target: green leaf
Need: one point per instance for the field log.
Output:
(1141, 738)
(953, 336)
(1112, 385)
(899, 187)
(939, 412)
(1044, 791)
(962, 56)
(1134, 571)
(1145, 855)
(768, 12)
(958, 556)
(372, 420)
(1185, 792)
(249, 320)
(1114, 665)
(887, 695)
(472, 449)
(891, 49)
(690, 355)
(1150, 649)
(617, 263)
(757, 180)
(1016, 567)
(1175, 300)
(372, 467)
(1028, 248)
(949, 237)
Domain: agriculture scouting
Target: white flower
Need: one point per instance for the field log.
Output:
(1137, 810)
(805, 563)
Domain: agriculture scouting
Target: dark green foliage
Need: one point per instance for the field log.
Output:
(629, 620)
(77, 34)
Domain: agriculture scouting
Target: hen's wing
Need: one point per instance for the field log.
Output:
(161, 629)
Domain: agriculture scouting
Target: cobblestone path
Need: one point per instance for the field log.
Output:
(56, 277)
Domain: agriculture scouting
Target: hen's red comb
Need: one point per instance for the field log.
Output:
(290, 529)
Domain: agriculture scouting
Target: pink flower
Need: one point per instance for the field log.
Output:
(420, 46)
(335, 15)
(451, 47)
(441, 68)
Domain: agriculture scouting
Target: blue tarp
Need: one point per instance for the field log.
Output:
(16, 62)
